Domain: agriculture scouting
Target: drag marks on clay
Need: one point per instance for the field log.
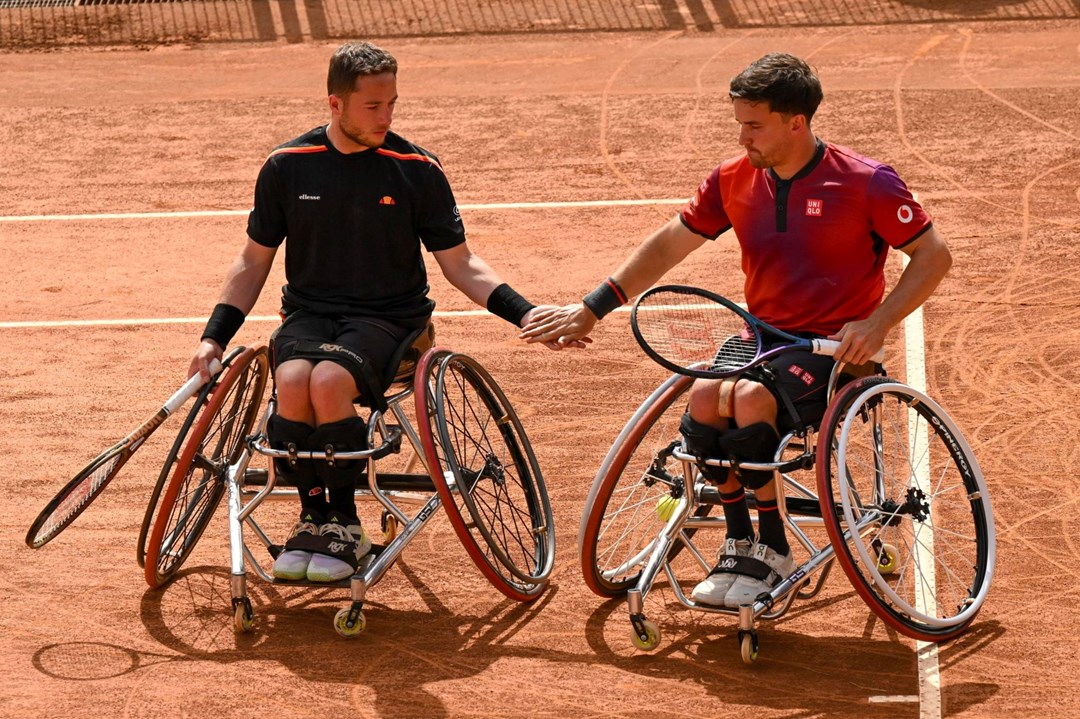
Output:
(605, 151)
(1014, 381)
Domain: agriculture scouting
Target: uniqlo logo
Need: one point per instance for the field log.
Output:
(814, 207)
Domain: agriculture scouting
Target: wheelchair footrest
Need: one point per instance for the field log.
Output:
(376, 550)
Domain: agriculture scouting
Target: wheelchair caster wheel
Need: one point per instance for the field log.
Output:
(243, 618)
(651, 638)
(887, 557)
(341, 624)
(389, 525)
(748, 647)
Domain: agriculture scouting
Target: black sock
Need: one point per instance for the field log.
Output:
(342, 506)
(771, 527)
(737, 514)
(285, 434)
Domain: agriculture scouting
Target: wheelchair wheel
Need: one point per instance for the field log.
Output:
(215, 441)
(169, 465)
(906, 508)
(631, 496)
(486, 473)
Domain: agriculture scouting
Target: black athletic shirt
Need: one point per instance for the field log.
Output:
(355, 224)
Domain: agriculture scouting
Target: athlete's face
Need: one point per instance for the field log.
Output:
(769, 138)
(365, 114)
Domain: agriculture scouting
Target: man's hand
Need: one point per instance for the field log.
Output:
(859, 341)
(559, 327)
(208, 350)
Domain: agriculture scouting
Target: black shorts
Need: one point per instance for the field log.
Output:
(804, 378)
(376, 340)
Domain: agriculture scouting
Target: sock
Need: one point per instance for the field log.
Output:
(771, 527)
(314, 516)
(737, 514)
(342, 506)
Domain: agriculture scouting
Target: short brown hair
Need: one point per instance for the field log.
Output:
(353, 60)
(784, 81)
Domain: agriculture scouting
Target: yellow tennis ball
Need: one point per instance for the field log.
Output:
(665, 507)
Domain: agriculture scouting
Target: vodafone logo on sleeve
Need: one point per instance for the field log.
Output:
(905, 214)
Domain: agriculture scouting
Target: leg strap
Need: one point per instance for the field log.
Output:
(757, 442)
(726, 397)
(292, 437)
(703, 441)
(346, 435)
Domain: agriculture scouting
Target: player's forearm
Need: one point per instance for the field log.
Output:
(245, 280)
(660, 252)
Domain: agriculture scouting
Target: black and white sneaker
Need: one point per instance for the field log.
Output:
(293, 562)
(714, 587)
(342, 548)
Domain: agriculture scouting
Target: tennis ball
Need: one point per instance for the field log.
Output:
(665, 507)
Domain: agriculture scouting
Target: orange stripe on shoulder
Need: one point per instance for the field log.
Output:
(298, 150)
(409, 156)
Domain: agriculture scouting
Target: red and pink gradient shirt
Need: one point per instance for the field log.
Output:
(814, 246)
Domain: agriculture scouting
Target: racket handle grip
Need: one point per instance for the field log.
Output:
(193, 385)
(829, 347)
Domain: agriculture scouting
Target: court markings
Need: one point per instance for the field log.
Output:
(53, 324)
(234, 213)
(929, 697)
(929, 672)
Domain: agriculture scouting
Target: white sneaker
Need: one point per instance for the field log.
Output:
(293, 563)
(714, 587)
(344, 546)
(746, 589)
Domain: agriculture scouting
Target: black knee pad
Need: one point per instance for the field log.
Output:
(346, 435)
(291, 436)
(703, 441)
(755, 443)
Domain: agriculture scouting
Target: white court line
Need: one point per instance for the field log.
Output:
(53, 324)
(926, 652)
(134, 322)
(233, 213)
(895, 699)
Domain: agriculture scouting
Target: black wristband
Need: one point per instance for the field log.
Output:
(605, 298)
(504, 302)
(224, 322)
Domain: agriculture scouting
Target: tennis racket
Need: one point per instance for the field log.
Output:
(77, 494)
(701, 334)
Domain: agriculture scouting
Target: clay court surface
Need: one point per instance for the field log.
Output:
(980, 118)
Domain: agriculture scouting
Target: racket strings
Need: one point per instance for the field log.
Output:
(689, 330)
(78, 497)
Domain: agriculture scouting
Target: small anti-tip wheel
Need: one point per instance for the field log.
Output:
(341, 624)
(389, 525)
(243, 618)
(886, 560)
(651, 639)
(748, 647)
